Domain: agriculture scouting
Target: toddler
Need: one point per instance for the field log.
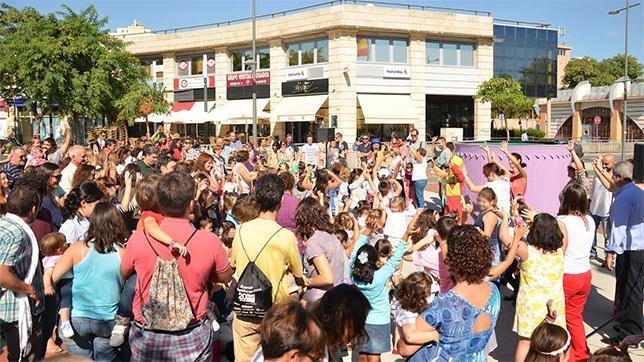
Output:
(396, 219)
(53, 245)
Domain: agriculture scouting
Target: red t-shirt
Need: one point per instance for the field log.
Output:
(205, 256)
(157, 217)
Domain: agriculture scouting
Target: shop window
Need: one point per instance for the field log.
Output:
(308, 52)
(382, 50)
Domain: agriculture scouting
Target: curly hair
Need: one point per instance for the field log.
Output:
(413, 291)
(310, 217)
(344, 221)
(426, 220)
(470, 255)
(363, 272)
(545, 233)
(342, 312)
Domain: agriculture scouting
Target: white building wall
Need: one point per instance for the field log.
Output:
(453, 81)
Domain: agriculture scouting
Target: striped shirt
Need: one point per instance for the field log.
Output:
(13, 172)
(15, 252)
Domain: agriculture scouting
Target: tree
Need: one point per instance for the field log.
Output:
(615, 67)
(141, 100)
(506, 96)
(581, 69)
(67, 59)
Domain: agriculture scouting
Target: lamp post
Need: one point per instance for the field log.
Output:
(624, 116)
(253, 74)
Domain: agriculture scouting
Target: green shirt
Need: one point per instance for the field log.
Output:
(145, 169)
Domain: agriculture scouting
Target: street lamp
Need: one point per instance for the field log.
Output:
(625, 118)
(253, 74)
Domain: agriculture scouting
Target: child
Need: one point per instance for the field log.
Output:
(426, 249)
(227, 234)
(53, 245)
(489, 222)
(245, 209)
(375, 221)
(550, 342)
(230, 186)
(372, 282)
(206, 224)
(385, 250)
(149, 222)
(396, 218)
(413, 295)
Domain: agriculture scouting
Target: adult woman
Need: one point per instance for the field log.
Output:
(79, 205)
(206, 163)
(95, 262)
(419, 175)
(542, 267)
(466, 315)
(577, 275)
(206, 202)
(4, 183)
(126, 204)
(242, 176)
(84, 172)
(324, 256)
(518, 176)
(49, 200)
(325, 181)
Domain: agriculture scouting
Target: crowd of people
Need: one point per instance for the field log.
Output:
(314, 252)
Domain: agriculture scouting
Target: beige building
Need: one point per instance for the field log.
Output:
(563, 57)
(357, 68)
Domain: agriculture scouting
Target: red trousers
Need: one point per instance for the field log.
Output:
(576, 290)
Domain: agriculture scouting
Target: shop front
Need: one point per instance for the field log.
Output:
(381, 115)
(304, 107)
(237, 113)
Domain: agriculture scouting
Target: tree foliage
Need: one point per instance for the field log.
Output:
(66, 58)
(505, 95)
(600, 73)
(141, 100)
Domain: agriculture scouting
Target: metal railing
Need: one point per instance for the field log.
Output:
(317, 6)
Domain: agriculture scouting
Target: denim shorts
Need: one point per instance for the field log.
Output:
(379, 339)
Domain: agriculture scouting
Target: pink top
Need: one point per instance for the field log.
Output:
(434, 263)
(50, 261)
(205, 256)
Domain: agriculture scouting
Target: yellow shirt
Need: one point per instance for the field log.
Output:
(278, 257)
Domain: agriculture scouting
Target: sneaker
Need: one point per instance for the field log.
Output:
(215, 325)
(66, 330)
(119, 331)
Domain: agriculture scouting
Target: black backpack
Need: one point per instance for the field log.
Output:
(254, 293)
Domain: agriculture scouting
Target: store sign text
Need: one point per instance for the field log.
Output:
(396, 71)
(245, 79)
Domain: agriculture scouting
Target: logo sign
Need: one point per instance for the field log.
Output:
(211, 62)
(597, 120)
(396, 71)
(296, 74)
(195, 82)
(245, 79)
(183, 64)
(183, 83)
(305, 87)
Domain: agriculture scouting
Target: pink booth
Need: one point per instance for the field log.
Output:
(546, 167)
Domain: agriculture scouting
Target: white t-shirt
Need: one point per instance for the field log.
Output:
(395, 162)
(419, 172)
(310, 152)
(580, 240)
(600, 199)
(395, 225)
(501, 188)
(67, 174)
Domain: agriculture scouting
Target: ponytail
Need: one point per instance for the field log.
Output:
(87, 191)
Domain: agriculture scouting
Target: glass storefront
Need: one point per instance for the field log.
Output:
(528, 55)
(449, 112)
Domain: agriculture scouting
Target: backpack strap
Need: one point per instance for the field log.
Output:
(145, 233)
(260, 250)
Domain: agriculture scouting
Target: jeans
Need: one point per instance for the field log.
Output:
(9, 332)
(127, 296)
(576, 291)
(92, 339)
(419, 192)
(629, 284)
(50, 319)
(605, 222)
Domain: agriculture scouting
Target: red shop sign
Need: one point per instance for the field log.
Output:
(245, 79)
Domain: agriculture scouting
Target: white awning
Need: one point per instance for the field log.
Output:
(240, 111)
(299, 109)
(387, 109)
(183, 112)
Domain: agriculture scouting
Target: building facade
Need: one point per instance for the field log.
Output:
(357, 68)
(527, 52)
(563, 58)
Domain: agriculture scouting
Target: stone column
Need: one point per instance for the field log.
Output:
(278, 67)
(222, 68)
(417, 56)
(342, 81)
(576, 123)
(169, 73)
(616, 121)
(483, 110)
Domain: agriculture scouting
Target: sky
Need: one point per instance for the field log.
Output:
(588, 27)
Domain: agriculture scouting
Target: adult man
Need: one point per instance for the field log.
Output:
(234, 142)
(150, 156)
(292, 148)
(78, 156)
(100, 141)
(275, 252)
(342, 147)
(310, 151)
(627, 242)
(21, 284)
(414, 141)
(444, 153)
(167, 165)
(110, 146)
(15, 165)
(364, 148)
(56, 154)
(205, 263)
(600, 200)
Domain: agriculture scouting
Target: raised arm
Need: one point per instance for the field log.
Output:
(474, 188)
(513, 160)
(335, 181)
(306, 182)
(578, 164)
(603, 176)
(67, 141)
(415, 154)
(499, 269)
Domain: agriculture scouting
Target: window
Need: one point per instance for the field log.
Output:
(382, 50)
(196, 65)
(449, 53)
(241, 56)
(433, 52)
(153, 67)
(308, 52)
